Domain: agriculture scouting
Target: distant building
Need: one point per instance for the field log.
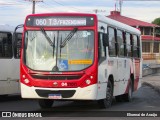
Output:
(150, 38)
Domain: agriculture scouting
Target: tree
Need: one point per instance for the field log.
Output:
(156, 21)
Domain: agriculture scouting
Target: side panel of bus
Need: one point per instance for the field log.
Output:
(117, 65)
(9, 76)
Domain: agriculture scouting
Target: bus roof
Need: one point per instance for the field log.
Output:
(118, 25)
(61, 13)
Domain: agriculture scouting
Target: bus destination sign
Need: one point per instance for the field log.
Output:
(60, 21)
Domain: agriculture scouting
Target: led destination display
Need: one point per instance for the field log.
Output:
(60, 21)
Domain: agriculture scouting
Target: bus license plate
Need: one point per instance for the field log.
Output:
(54, 96)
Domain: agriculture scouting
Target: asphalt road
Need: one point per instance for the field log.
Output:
(145, 99)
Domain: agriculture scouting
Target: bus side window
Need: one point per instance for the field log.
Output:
(139, 50)
(112, 41)
(101, 50)
(17, 47)
(135, 46)
(5, 45)
(128, 45)
(105, 42)
(120, 41)
(125, 44)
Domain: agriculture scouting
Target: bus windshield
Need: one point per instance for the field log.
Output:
(53, 51)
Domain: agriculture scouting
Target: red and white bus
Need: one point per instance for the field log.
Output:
(79, 56)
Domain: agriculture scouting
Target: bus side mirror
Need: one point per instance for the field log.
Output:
(17, 38)
(17, 44)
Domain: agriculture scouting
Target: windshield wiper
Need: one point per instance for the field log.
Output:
(49, 39)
(53, 45)
(55, 68)
(70, 35)
(60, 48)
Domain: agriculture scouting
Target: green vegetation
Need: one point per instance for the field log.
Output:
(156, 21)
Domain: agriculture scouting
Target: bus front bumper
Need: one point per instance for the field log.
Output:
(87, 93)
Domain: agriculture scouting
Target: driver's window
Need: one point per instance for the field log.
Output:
(101, 51)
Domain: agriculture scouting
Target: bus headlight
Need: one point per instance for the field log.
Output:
(26, 81)
(88, 82)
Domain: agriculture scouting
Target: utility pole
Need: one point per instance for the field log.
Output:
(120, 6)
(33, 7)
(34, 4)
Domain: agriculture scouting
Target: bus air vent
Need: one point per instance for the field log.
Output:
(46, 77)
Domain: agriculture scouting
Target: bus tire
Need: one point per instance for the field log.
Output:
(128, 97)
(45, 103)
(107, 102)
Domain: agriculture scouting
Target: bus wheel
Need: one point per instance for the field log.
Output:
(128, 97)
(45, 103)
(107, 102)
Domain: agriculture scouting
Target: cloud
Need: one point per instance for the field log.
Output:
(143, 14)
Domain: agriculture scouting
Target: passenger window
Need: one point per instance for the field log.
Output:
(5, 45)
(120, 42)
(101, 50)
(139, 50)
(135, 46)
(112, 41)
(128, 45)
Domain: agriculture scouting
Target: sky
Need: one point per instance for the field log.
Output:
(13, 12)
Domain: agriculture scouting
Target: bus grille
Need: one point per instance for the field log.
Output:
(64, 93)
(56, 77)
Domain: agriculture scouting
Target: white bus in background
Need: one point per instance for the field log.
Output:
(9, 60)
